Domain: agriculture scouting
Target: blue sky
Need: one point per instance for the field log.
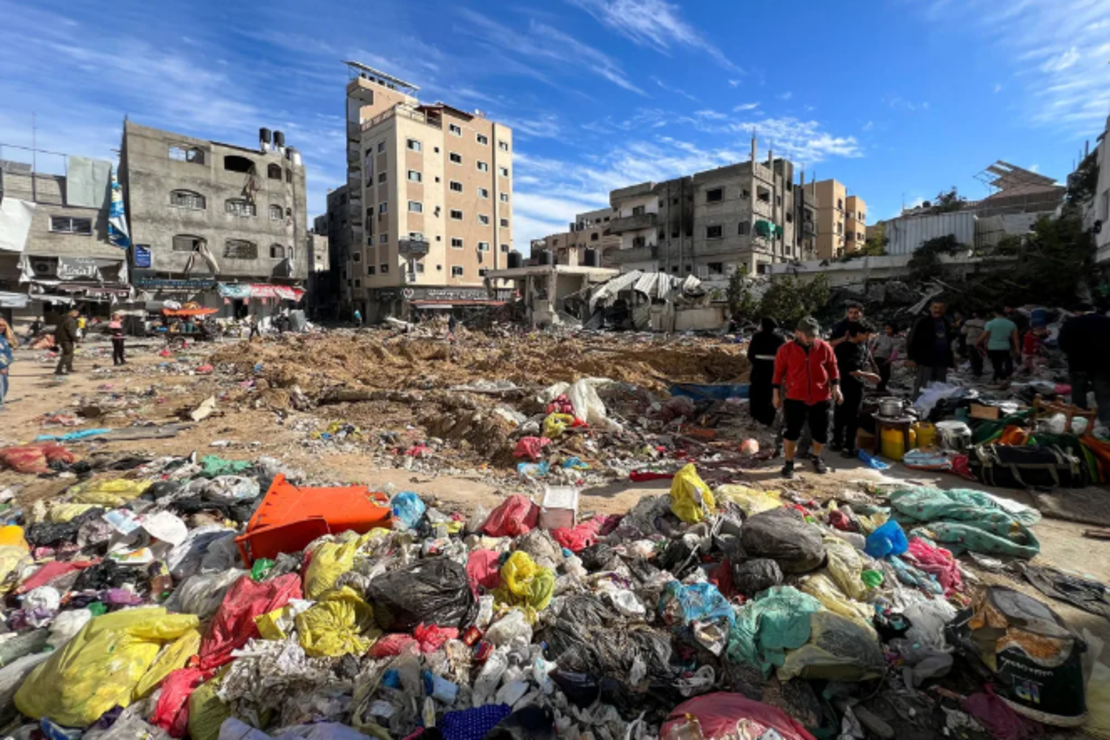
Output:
(896, 99)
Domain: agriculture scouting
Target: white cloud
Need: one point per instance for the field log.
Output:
(734, 83)
(544, 126)
(997, 87)
(785, 96)
(655, 24)
(711, 115)
(897, 102)
(1063, 61)
(672, 89)
(745, 107)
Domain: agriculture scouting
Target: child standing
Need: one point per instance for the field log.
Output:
(115, 329)
(1031, 347)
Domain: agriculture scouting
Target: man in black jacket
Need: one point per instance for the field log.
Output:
(65, 336)
(1085, 339)
(929, 347)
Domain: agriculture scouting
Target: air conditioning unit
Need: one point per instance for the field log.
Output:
(42, 268)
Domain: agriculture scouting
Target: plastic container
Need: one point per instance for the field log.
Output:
(926, 434)
(892, 443)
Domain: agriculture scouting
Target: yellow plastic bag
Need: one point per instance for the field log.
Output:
(340, 623)
(173, 657)
(691, 499)
(206, 711)
(12, 560)
(846, 567)
(113, 493)
(329, 561)
(59, 513)
(821, 587)
(749, 500)
(12, 536)
(100, 666)
(523, 583)
(838, 650)
(555, 424)
(269, 624)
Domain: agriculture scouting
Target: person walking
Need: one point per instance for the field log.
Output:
(1000, 339)
(854, 365)
(761, 354)
(929, 347)
(806, 381)
(65, 336)
(115, 330)
(1085, 340)
(7, 344)
(253, 321)
(973, 329)
(357, 315)
(884, 350)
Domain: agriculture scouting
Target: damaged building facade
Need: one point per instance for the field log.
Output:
(587, 238)
(54, 245)
(218, 224)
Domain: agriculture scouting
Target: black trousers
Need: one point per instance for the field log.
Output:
(65, 362)
(117, 351)
(846, 417)
(254, 333)
(885, 366)
(976, 362)
(798, 414)
(1002, 362)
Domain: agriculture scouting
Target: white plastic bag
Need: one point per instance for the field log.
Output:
(512, 630)
(66, 625)
(231, 488)
(203, 592)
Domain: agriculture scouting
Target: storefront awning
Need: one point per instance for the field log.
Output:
(452, 304)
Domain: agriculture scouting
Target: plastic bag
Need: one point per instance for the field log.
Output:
(937, 562)
(775, 621)
(171, 710)
(888, 539)
(483, 567)
(588, 406)
(329, 561)
(555, 424)
(784, 537)
(340, 623)
(206, 712)
(698, 602)
(753, 576)
(12, 677)
(531, 447)
(172, 658)
(36, 459)
(523, 583)
(185, 559)
(749, 500)
(230, 489)
(112, 493)
(821, 587)
(66, 625)
(203, 593)
(576, 539)
(233, 623)
(100, 667)
(432, 591)
(845, 565)
(839, 649)
(691, 499)
(724, 715)
(511, 630)
(408, 510)
(515, 516)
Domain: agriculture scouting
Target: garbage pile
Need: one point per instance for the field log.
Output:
(213, 598)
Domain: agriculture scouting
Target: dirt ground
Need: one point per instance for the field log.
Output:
(262, 431)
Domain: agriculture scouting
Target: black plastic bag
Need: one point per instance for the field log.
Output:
(599, 557)
(757, 575)
(434, 591)
(108, 574)
(680, 558)
(163, 488)
(528, 723)
(587, 610)
(581, 689)
(45, 534)
(783, 536)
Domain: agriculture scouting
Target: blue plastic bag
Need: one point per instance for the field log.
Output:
(888, 539)
(408, 509)
(700, 602)
(874, 462)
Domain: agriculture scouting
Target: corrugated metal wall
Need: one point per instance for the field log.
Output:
(907, 234)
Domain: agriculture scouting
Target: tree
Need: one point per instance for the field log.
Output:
(947, 202)
(741, 303)
(788, 300)
(925, 264)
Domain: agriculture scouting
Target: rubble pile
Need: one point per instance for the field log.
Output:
(211, 598)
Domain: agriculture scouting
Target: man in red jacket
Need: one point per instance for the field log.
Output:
(806, 374)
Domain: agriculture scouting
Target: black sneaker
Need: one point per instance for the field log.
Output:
(788, 469)
(819, 466)
(849, 453)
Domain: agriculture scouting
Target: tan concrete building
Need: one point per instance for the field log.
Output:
(841, 220)
(589, 230)
(430, 198)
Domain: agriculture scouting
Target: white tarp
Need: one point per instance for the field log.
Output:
(15, 223)
(87, 182)
(13, 300)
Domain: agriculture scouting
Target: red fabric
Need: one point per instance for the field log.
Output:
(172, 711)
(483, 568)
(35, 458)
(839, 520)
(719, 712)
(577, 539)
(517, 515)
(432, 637)
(391, 645)
(531, 447)
(561, 405)
(639, 476)
(937, 561)
(51, 571)
(233, 623)
(721, 577)
(807, 375)
(1030, 344)
(1000, 720)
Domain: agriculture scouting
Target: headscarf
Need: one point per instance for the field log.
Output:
(768, 324)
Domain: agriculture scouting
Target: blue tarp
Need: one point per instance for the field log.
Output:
(709, 392)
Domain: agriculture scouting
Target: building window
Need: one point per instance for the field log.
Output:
(273, 171)
(839, 204)
(714, 232)
(639, 241)
(716, 268)
(763, 194)
(415, 176)
(778, 200)
(639, 210)
(277, 252)
(745, 228)
(503, 171)
(382, 177)
(383, 268)
(504, 197)
(503, 146)
(482, 271)
(746, 194)
(504, 223)
(370, 270)
(455, 157)
(356, 257)
(383, 207)
(416, 206)
(505, 248)
(187, 154)
(483, 139)
(381, 146)
(358, 283)
(187, 199)
(790, 218)
(186, 243)
(414, 145)
(593, 237)
(483, 246)
(456, 243)
(483, 219)
(716, 195)
(840, 228)
(240, 249)
(455, 129)
(237, 163)
(416, 236)
(483, 193)
(383, 239)
(456, 187)
(456, 215)
(275, 213)
(483, 166)
(419, 266)
(239, 207)
(456, 271)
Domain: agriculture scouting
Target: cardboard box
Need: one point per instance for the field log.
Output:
(990, 413)
(559, 508)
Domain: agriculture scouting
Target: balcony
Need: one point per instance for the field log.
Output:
(633, 223)
(413, 247)
(636, 254)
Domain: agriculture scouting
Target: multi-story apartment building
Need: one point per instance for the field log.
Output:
(589, 230)
(54, 246)
(430, 198)
(333, 287)
(212, 221)
(743, 216)
(841, 220)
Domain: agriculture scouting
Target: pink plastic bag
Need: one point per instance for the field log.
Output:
(483, 568)
(233, 623)
(577, 539)
(531, 447)
(432, 637)
(938, 562)
(718, 714)
(517, 515)
(1000, 720)
(392, 644)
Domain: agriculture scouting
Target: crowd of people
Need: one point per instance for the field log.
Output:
(795, 382)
